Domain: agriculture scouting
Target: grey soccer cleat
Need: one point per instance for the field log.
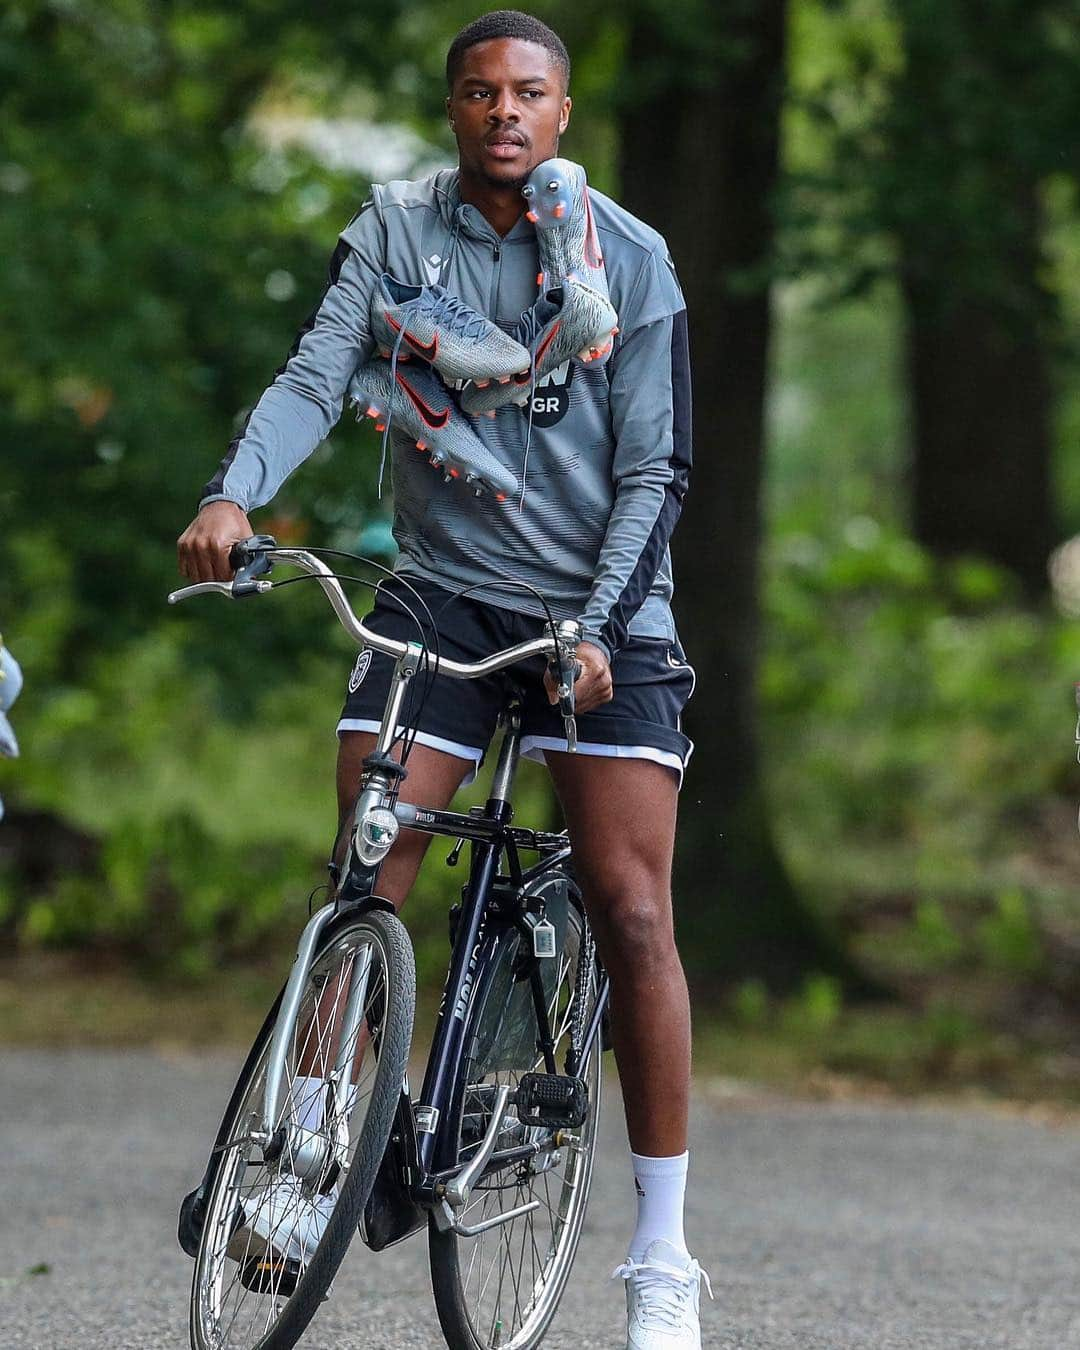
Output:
(558, 196)
(429, 322)
(571, 320)
(418, 401)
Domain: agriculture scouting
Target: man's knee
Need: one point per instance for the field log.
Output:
(630, 911)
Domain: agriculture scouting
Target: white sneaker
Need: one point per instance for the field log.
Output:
(283, 1220)
(662, 1292)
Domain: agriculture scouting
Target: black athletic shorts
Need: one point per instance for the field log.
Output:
(651, 677)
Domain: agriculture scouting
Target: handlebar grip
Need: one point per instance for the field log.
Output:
(248, 559)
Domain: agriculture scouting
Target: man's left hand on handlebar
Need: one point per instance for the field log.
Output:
(593, 686)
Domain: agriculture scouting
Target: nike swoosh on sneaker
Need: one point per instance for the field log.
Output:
(428, 350)
(435, 420)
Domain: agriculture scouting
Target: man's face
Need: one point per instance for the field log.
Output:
(507, 110)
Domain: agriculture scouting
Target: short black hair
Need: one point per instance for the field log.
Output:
(507, 23)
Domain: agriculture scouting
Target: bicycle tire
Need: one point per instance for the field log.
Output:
(469, 1320)
(277, 1317)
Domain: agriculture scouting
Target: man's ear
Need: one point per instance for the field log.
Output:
(564, 116)
(449, 113)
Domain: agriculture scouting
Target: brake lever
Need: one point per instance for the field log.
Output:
(565, 669)
(565, 691)
(564, 673)
(218, 588)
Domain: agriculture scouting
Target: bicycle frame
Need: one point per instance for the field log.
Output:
(433, 1139)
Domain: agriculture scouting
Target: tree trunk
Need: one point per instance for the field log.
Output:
(699, 161)
(981, 414)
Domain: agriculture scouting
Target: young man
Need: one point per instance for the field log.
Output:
(599, 465)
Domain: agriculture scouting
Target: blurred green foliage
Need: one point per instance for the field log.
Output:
(159, 255)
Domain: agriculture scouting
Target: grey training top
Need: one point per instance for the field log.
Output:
(609, 452)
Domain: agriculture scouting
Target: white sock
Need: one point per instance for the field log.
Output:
(661, 1190)
(308, 1101)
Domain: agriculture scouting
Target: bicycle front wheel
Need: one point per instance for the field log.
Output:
(502, 1287)
(283, 1210)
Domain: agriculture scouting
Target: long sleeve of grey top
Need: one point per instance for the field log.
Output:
(298, 411)
(651, 420)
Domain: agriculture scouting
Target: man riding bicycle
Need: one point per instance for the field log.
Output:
(574, 491)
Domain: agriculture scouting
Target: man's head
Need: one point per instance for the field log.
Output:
(507, 75)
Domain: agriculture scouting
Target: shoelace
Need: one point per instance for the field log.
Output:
(663, 1291)
(390, 410)
(531, 320)
(448, 310)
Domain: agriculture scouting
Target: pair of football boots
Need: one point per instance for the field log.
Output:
(428, 329)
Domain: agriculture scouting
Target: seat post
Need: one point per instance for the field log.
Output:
(509, 752)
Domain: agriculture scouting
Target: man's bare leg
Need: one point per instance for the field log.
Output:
(621, 816)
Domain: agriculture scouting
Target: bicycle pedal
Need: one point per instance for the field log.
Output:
(551, 1099)
(269, 1274)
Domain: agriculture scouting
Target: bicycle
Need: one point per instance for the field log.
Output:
(495, 1156)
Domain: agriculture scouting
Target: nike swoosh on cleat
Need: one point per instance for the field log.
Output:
(547, 341)
(524, 378)
(428, 350)
(435, 420)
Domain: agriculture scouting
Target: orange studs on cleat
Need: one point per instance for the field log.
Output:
(504, 379)
(380, 426)
(481, 384)
(558, 211)
(490, 413)
(454, 473)
(531, 215)
(539, 278)
(372, 411)
(500, 496)
(421, 445)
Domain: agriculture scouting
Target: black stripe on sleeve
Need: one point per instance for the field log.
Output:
(337, 261)
(640, 581)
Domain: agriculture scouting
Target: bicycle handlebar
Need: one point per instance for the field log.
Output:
(258, 554)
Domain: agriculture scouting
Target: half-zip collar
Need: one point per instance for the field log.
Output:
(472, 222)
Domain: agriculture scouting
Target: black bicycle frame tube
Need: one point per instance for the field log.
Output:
(437, 1144)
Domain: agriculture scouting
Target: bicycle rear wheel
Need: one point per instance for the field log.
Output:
(502, 1287)
(257, 1285)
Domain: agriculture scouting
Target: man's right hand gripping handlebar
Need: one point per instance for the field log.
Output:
(203, 549)
(579, 680)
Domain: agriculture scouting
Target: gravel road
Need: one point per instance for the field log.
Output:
(824, 1226)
